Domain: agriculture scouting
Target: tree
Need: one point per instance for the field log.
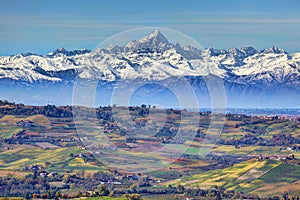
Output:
(103, 191)
(66, 178)
(285, 196)
(180, 189)
(57, 194)
(79, 194)
(111, 194)
(132, 196)
(34, 196)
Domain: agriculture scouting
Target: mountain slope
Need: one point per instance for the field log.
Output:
(245, 71)
(154, 57)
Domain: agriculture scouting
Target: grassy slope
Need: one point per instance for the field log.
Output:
(8, 125)
(249, 177)
(59, 158)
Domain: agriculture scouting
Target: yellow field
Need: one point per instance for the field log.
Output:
(77, 162)
(16, 174)
(277, 189)
(231, 177)
(38, 119)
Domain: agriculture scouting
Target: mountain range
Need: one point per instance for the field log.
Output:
(252, 78)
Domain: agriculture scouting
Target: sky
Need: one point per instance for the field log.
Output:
(41, 26)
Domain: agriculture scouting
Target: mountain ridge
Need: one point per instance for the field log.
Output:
(153, 50)
(248, 74)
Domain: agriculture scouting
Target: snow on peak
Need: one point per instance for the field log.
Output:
(242, 53)
(236, 53)
(155, 37)
(248, 51)
(154, 42)
(274, 50)
(213, 52)
(154, 57)
(62, 51)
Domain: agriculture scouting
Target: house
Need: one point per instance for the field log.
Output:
(290, 148)
(43, 174)
(25, 123)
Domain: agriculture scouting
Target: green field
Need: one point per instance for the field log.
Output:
(225, 165)
(59, 159)
(283, 173)
(245, 177)
(7, 131)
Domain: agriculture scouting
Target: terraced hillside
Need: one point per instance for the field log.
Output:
(267, 177)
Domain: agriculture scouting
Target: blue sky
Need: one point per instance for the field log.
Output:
(41, 26)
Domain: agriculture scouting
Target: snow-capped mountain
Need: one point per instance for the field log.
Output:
(153, 57)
